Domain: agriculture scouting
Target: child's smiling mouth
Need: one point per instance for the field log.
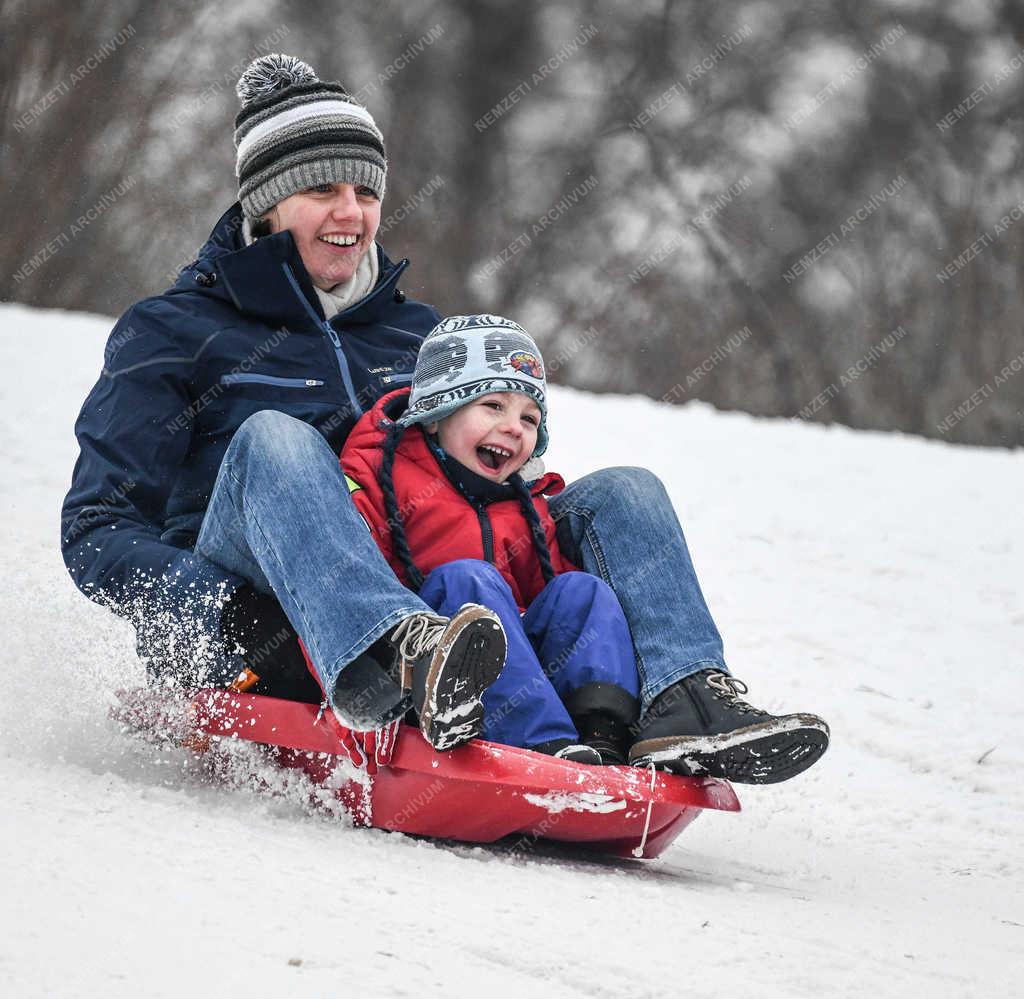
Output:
(493, 457)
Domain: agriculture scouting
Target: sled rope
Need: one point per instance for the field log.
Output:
(638, 851)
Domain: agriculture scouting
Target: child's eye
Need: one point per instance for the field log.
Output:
(532, 420)
(493, 405)
(366, 192)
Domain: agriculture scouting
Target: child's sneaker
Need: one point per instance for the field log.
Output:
(451, 662)
(700, 727)
(566, 749)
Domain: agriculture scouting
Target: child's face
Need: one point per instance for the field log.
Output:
(502, 421)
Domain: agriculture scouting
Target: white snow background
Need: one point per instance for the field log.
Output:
(873, 578)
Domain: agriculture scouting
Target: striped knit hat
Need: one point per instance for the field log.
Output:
(464, 357)
(296, 131)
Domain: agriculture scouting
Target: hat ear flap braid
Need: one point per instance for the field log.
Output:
(413, 575)
(540, 541)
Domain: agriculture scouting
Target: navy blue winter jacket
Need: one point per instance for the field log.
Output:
(241, 330)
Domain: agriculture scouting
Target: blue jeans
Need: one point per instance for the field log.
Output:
(574, 633)
(619, 524)
(281, 517)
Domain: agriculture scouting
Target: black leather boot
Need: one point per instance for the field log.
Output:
(603, 714)
(701, 727)
(566, 749)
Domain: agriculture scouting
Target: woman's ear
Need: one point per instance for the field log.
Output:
(266, 225)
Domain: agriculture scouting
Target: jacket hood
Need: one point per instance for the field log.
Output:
(267, 281)
(362, 449)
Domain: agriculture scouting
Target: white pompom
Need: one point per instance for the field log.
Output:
(272, 72)
(532, 470)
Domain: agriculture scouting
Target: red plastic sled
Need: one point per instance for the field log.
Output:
(478, 793)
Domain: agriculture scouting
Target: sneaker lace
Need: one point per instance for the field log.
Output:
(728, 688)
(417, 634)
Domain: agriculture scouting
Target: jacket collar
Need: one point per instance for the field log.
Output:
(267, 280)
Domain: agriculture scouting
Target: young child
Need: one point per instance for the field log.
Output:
(447, 478)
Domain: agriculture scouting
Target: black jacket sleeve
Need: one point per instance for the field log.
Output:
(134, 432)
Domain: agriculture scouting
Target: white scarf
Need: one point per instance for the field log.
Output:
(341, 296)
(355, 289)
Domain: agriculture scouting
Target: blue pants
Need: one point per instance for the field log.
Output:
(574, 633)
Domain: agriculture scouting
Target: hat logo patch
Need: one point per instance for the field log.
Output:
(527, 363)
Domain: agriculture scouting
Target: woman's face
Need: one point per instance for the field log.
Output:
(333, 226)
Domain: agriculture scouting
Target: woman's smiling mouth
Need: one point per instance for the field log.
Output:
(339, 239)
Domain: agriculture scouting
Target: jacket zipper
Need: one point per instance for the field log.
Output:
(326, 327)
(486, 532)
(247, 379)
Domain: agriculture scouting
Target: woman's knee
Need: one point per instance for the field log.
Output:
(632, 482)
(273, 434)
(620, 485)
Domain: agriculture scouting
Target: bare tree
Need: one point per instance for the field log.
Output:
(794, 210)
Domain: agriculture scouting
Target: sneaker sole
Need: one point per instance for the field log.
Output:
(760, 754)
(461, 669)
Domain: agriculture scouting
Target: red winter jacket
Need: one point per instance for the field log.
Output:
(440, 524)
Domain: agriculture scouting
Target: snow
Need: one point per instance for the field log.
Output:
(873, 578)
(555, 802)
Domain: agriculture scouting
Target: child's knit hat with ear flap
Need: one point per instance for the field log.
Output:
(464, 357)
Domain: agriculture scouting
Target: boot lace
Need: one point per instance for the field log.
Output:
(728, 688)
(418, 634)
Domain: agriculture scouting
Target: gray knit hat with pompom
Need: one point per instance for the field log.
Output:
(296, 131)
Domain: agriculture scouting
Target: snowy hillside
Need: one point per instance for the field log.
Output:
(875, 579)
